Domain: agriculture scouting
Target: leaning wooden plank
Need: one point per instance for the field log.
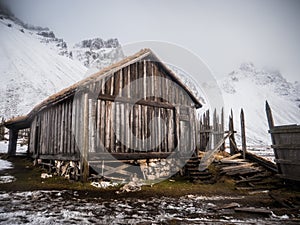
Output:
(244, 171)
(237, 167)
(233, 156)
(209, 156)
(262, 161)
(254, 210)
(233, 161)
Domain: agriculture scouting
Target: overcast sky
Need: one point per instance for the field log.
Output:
(222, 33)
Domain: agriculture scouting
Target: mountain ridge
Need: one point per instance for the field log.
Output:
(35, 64)
(249, 87)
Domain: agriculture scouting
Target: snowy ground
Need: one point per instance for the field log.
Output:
(4, 147)
(4, 164)
(64, 207)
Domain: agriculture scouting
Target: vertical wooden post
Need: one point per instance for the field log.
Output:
(12, 145)
(269, 116)
(177, 126)
(92, 122)
(271, 126)
(222, 129)
(214, 129)
(85, 147)
(243, 134)
(232, 142)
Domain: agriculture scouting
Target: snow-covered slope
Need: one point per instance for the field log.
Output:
(32, 66)
(249, 88)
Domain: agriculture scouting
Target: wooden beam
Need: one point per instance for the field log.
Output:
(12, 144)
(128, 156)
(165, 105)
(72, 157)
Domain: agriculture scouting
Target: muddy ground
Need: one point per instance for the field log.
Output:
(32, 200)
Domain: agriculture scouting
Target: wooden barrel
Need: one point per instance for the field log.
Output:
(286, 145)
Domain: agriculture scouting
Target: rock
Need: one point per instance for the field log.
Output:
(45, 175)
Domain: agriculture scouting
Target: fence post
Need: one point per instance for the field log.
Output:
(243, 134)
(232, 143)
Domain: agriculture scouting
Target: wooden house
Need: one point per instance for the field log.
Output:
(112, 113)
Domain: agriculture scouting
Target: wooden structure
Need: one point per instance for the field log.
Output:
(134, 109)
(286, 145)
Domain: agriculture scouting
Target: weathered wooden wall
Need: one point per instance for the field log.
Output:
(113, 111)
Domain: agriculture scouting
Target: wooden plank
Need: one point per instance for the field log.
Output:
(146, 134)
(112, 85)
(129, 156)
(125, 82)
(262, 161)
(269, 116)
(150, 132)
(148, 82)
(98, 125)
(131, 138)
(253, 210)
(192, 112)
(54, 139)
(62, 130)
(243, 134)
(210, 155)
(67, 128)
(70, 127)
(102, 125)
(140, 128)
(165, 105)
(108, 81)
(107, 126)
(171, 135)
(117, 127)
(177, 126)
(73, 157)
(117, 83)
(92, 122)
(162, 128)
(84, 162)
(135, 127)
(122, 127)
(73, 126)
(233, 148)
(112, 127)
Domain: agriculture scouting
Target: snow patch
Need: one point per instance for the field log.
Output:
(4, 165)
(7, 179)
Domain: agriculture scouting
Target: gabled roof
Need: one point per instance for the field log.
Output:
(24, 121)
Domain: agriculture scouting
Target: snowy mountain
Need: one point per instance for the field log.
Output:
(33, 66)
(249, 87)
(97, 53)
(34, 63)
